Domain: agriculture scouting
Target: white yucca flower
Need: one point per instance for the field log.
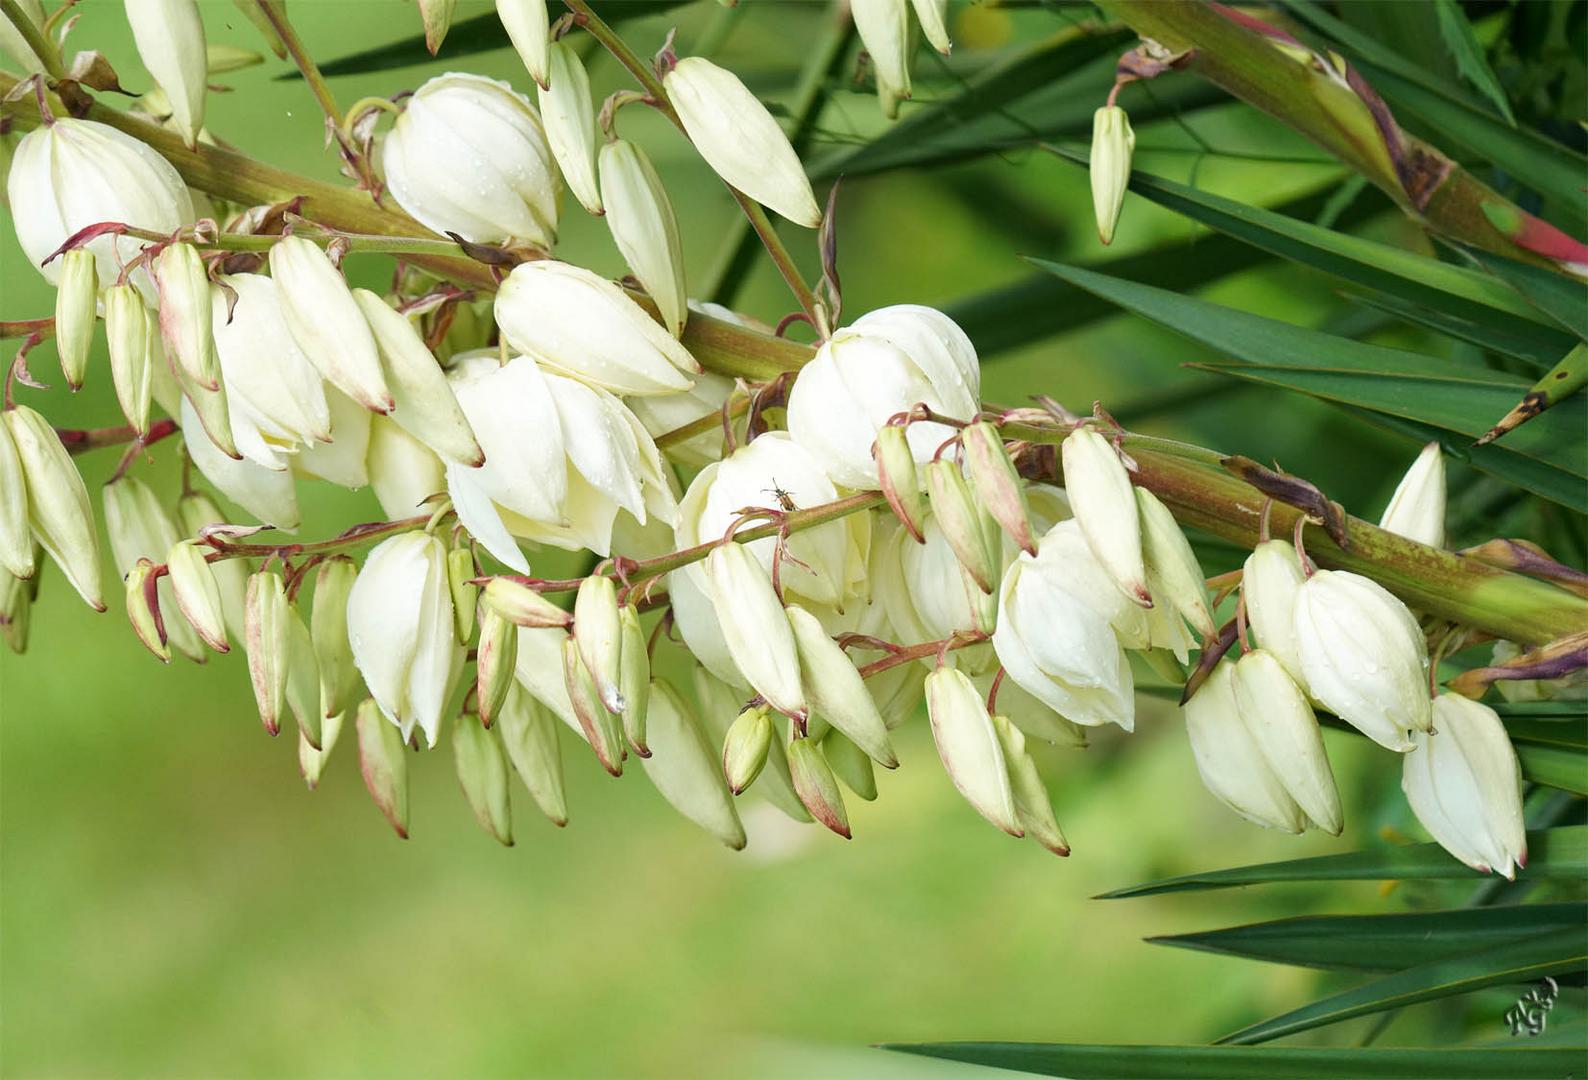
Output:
(569, 117)
(1417, 509)
(403, 471)
(1465, 785)
(1270, 580)
(326, 323)
(1104, 504)
(1231, 762)
(266, 493)
(661, 413)
(644, 228)
(170, 39)
(1276, 715)
(527, 26)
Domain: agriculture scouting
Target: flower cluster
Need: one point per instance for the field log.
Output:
(829, 550)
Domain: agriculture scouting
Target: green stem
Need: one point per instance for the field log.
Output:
(276, 16)
(49, 56)
(352, 242)
(358, 534)
(23, 328)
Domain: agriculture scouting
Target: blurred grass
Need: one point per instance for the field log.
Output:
(175, 904)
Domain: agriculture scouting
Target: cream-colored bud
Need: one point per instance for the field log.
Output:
(998, 484)
(311, 760)
(195, 510)
(850, 764)
(267, 619)
(602, 729)
(16, 540)
(198, 593)
(569, 116)
(835, 689)
(383, 764)
(326, 322)
(737, 136)
(461, 572)
(436, 15)
(931, 15)
(143, 610)
(59, 514)
(76, 298)
(596, 630)
(634, 678)
(482, 771)
(170, 39)
(184, 285)
(1229, 759)
(964, 522)
(1032, 805)
(755, 627)
(527, 26)
(1417, 509)
(1276, 715)
(529, 734)
(969, 747)
(139, 527)
(898, 479)
(1173, 574)
(128, 329)
(744, 748)
(817, 787)
(1364, 656)
(339, 683)
(303, 680)
(1105, 507)
(684, 769)
(1269, 582)
(495, 663)
(523, 605)
(1464, 784)
(423, 402)
(1113, 143)
(644, 228)
(884, 28)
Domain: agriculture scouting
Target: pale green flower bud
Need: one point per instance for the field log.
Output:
(835, 689)
(1105, 507)
(339, 683)
(1231, 762)
(1269, 583)
(529, 734)
(461, 572)
(16, 608)
(58, 510)
(850, 764)
(596, 630)
(744, 748)
(644, 228)
(1113, 142)
(634, 678)
(202, 412)
(930, 14)
(311, 761)
(303, 679)
(385, 768)
(184, 286)
(495, 660)
(720, 705)
(602, 730)
(139, 527)
(170, 39)
(527, 25)
(884, 27)
(1033, 808)
(1364, 656)
(424, 403)
(569, 116)
(16, 540)
(522, 605)
(143, 610)
(817, 787)
(897, 477)
(964, 522)
(997, 482)
(1280, 722)
(128, 329)
(741, 142)
(482, 771)
(76, 301)
(326, 322)
(437, 18)
(1417, 509)
(267, 618)
(1464, 784)
(684, 769)
(754, 626)
(194, 511)
(969, 747)
(198, 594)
(1173, 574)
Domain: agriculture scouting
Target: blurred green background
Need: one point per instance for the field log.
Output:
(173, 902)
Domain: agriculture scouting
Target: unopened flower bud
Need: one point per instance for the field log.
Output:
(436, 15)
(523, 605)
(644, 228)
(195, 510)
(897, 477)
(527, 26)
(128, 329)
(1269, 582)
(203, 410)
(684, 769)
(817, 787)
(1173, 574)
(569, 116)
(884, 28)
(1464, 784)
(16, 540)
(59, 514)
(963, 521)
(303, 680)
(578, 322)
(599, 636)
(1417, 509)
(602, 730)
(184, 286)
(76, 300)
(143, 610)
(850, 764)
(529, 734)
(482, 771)
(1229, 759)
(1105, 507)
(739, 139)
(326, 322)
(311, 760)
(16, 610)
(198, 593)
(339, 684)
(634, 678)
(835, 689)
(1113, 142)
(496, 657)
(1033, 807)
(997, 483)
(1279, 720)
(930, 14)
(1364, 656)
(266, 616)
(383, 765)
(461, 572)
(755, 627)
(139, 527)
(969, 747)
(424, 404)
(170, 39)
(744, 749)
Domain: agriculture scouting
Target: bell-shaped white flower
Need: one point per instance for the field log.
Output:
(1417, 509)
(741, 142)
(569, 116)
(266, 493)
(884, 28)
(1364, 656)
(469, 156)
(561, 459)
(925, 591)
(886, 362)
(1231, 762)
(71, 174)
(662, 413)
(1465, 785)
(581, 324)
(1269, 582)
(170, 39)
(403, 471)
(399, 622)
(325, 321)
(1104, 504)
(1281, 723)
